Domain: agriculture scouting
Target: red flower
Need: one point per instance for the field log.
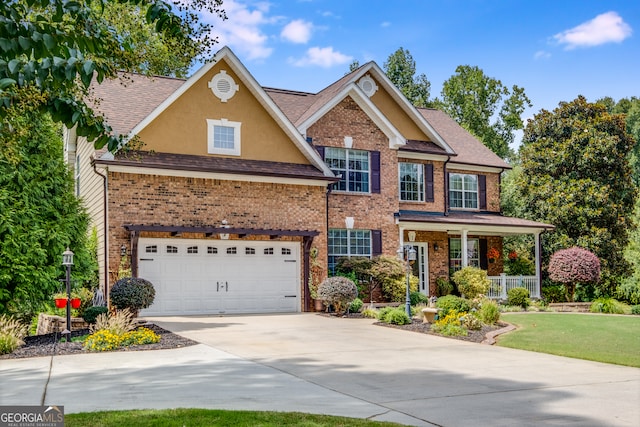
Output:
(493, 253)
(513, 255)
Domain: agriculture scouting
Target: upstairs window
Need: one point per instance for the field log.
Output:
(463, 191)
(353, 166)
(411, 177)
(223, 137)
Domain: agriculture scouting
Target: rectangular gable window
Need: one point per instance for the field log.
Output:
(348, 243)
(353, 166)
(463, 191)
(223, 137)
(411, 177)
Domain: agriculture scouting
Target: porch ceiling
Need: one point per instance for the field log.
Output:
(474, 222)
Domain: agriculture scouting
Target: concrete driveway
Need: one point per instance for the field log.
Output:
(431, 380)
(310, 363)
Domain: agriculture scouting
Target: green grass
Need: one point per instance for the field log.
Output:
(210, 417)
(602, 338)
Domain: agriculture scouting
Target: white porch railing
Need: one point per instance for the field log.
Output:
(502, 283)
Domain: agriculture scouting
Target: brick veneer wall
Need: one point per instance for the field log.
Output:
(162, 200)
(370, 211)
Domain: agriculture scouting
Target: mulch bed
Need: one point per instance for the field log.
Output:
(51, 345)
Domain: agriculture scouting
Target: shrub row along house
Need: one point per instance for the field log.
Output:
(237, 185)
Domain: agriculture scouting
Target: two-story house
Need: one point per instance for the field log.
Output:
(237, 185)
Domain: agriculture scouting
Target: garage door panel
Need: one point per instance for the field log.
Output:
(221, 276)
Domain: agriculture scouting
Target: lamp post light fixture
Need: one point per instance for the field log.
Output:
(407, 254)
(67, 261)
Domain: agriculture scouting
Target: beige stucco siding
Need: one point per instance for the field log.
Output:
(182, 127)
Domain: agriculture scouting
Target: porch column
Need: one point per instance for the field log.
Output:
(465, 256)
(538, 264)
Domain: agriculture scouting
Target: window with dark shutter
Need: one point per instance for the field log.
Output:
(482, 191)
(375, 172)
(428, 182)
(484, 264)
(320, 150)
(376, 242)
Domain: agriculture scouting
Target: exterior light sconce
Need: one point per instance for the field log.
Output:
(349, 222)
(436, 247)
(412, 236)
(123, 250)
(225, 224)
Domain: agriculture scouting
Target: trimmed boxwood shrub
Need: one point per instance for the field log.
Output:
(471, 281)
(91, 314)
(133, 293)
(338, 291)
(448, 303)
(355, 305)
(518, 296)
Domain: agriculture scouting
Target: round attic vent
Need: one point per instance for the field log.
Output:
(367, 85)
(223, 86)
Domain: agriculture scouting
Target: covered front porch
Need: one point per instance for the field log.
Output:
(467, 238)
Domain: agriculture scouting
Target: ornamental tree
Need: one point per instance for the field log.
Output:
(575, 174)
(574, 266)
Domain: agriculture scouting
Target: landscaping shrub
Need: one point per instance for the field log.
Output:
(387, 271)
(140, 336)
(380, 314)
(91, 313)
(11, 334)
(635, 309)
(488, 312)
(133, 293)
(119, 323)
(107, 340)
(554, 293)
(629, 290)
(396, 290)
(445, 287)
(450, 325)
(418, 298)
(573, 266)
(471, 281)
(518, 296)
(394, 316)
(370, 313)
(338, 291)
(355, 305)
(471, 322)
(607, 305)
(448, 303)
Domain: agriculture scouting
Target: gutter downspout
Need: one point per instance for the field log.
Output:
(106, 229)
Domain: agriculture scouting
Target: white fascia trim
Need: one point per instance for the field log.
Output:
(214, 175)
(256, 90)
(474, 168)
(421, 156)
(422, 123)
(486, 230)
(357, 94)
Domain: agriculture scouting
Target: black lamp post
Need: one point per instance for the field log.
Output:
(67, 261)
(407, 254)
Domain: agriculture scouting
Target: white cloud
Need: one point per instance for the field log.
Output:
(542, 54)
(298, 31)
(605, 28)
(242, 31)
(324, 57)
(385, 24)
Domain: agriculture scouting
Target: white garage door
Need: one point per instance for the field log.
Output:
(220, 276)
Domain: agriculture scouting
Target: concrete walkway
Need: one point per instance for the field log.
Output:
(311, 363)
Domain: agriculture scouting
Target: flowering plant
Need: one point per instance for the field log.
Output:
(513, 255)
(493, 253)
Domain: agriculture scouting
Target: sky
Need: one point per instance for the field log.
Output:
(556, 50)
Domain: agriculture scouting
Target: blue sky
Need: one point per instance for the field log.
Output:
(556, 49)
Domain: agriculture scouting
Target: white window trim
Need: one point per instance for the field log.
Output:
(471, 261)
(465, 191)
(421, 186)
(344, 174)
(211, 124)
(350, 235)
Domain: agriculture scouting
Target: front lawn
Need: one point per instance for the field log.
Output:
(602, 338)
(210, 417)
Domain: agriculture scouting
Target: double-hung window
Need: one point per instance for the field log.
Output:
(463, 191)
(455, 253)
(348, 243)
(353, 166)
(411, 176)
(223, 137)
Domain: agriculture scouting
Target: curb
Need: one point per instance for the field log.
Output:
(489, 338)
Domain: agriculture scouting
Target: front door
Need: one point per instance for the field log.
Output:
(421, 266)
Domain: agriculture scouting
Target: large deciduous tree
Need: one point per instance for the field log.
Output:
(400, 67)
(576, 175)
(39, 214)
(485, 107)
(60, 46)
